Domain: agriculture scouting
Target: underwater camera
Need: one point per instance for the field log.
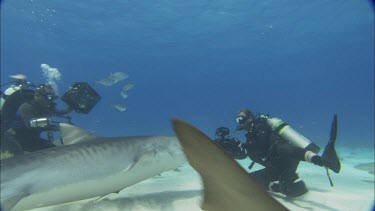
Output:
(81, 97)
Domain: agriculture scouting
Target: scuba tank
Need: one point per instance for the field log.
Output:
(12, 98)
(16, 86)
(289, 134)
(8, 92)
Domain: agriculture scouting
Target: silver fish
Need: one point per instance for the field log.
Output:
(113, 79)
(124, 94)
(119, 107)
(118, 76)
(128, 87)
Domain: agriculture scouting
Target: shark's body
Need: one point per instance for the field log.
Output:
(93, 167)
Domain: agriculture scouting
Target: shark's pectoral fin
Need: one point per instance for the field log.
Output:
(227, 186)
(144, 158)
(105, 196)
(11, 202)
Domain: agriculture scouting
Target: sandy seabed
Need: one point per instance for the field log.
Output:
(182, 189)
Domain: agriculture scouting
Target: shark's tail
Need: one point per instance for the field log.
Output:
(329, 156)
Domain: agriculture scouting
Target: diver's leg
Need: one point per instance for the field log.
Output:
(260, 177)
(289, 182)
(293, 152)
(39, 144)
(32, 142)
(329, 158)
(9, 144)
(286, 150)
(265, 177)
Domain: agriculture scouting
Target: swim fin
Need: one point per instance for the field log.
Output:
(329, 156)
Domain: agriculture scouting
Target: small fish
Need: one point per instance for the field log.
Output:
(124, 94)
(18, 76)
(106, 82)
(128, 87)
(118, 76)
(119, 107)
(113, 78)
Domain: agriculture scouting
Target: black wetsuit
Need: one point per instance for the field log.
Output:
(27, 137)
(277, 155)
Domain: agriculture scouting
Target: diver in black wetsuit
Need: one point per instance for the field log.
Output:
(22, 132)
(230, 144)
(279, 157)
(26, 111)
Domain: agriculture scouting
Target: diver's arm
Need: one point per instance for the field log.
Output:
(27, 113)
(254, 153)
(62, 112)
(235, 140)
(255, 156)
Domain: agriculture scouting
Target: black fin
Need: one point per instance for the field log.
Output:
(329, 157)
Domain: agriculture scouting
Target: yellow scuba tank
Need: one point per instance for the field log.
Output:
(16, 86)
(8, 92)
(289, 134)
(13, 97)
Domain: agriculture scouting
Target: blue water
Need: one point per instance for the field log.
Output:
(202, 61)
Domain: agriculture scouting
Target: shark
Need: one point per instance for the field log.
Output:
(226, 185)
(86, 166)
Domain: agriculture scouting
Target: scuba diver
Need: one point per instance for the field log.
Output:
(276, 146)
(32, 117)
(27, 111)
(230, 144)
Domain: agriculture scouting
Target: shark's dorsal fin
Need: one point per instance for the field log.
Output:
(72, 135)
(227, 186)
